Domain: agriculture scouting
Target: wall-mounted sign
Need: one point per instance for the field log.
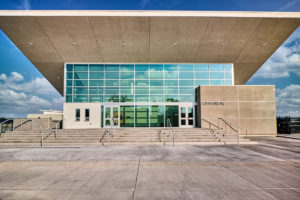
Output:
(212, 103)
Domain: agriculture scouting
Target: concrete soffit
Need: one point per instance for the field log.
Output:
(49, 39)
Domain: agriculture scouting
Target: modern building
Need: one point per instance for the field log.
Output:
(155, 68)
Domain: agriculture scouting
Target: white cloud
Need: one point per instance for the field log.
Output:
(15, 76)
(37, 86)
(289, 5)
(3, 77)
(19, 97)
(24, 5)
(143, 3)
(288, 101)
(284, 61)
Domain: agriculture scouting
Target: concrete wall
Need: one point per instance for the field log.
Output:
(35, 124)
(46, 116)
(69, 115)
(250, 107)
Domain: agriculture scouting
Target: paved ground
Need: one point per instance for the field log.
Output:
(270, 170)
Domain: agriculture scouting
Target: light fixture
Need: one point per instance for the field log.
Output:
(58, 77)
(123, 43)
(75, 43)
(175, 43)
(30, 43)
(265, 44)
(223, 44)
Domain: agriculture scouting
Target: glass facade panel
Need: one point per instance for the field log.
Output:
(141, 68)
(141, 75)
(69, 68)
(202, 75)
(127, 68)
(186, 67)
(96, 75)
(111, 68)
(157, 116)
(81, 75)
(127, 116)
(111, 75)
(216, 67)
(228, 75)
(217, 75)
(80, 68)
(69, 75)
(186, 83)
(141, 82)
(172, 114)
(80, 90)
(201, 67)
(216, 82)
(80, 82)
(96, 68)
(127, 75)
(142, 116)
(80, 98)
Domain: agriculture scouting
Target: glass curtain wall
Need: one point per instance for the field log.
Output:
(141, 82)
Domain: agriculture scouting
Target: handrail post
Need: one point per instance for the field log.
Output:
(239, 138)
(107, 134)
(173, 138)
(42, 139)
(55, 130)
(246, 134)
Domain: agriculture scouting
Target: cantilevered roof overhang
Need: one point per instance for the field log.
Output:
(51, 38)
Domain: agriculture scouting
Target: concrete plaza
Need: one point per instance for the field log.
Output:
(269, 170)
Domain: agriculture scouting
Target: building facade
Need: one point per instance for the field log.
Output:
(154, 68)
(138, 95)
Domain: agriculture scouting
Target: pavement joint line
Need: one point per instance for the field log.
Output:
(261, 154)
(137, 173)
(279, 147)
(258, 188)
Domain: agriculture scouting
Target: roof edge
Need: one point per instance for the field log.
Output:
(150, 13)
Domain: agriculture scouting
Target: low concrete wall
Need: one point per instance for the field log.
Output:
(35, 124)
(250, 107)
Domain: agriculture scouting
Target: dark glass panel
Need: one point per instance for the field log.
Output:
(172, 114)
(142, 116)
(157, 116)
(127, 116)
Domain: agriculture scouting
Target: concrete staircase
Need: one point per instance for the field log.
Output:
(122, 136)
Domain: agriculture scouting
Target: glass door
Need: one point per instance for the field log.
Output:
(111, 116)
(186, 116)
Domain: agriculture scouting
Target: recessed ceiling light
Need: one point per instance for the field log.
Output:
(223, 44)
(123, 43)
(58, 77)
(75, 43)
(265, 44)
(175, 43)
(30, 43)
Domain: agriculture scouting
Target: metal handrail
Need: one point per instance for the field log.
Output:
(14, 127)
(169, 124)
(230, 126)
(209, 123)
(107, 132)
(50, 130)
(246, 131)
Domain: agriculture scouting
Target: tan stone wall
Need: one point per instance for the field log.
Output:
(35, 124)
(250, 107)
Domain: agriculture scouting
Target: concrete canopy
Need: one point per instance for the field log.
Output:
(51, 38)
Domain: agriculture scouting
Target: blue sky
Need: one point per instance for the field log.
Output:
(24, 90)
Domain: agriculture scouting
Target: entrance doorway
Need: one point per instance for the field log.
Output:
(111, 116)
(186, 116)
